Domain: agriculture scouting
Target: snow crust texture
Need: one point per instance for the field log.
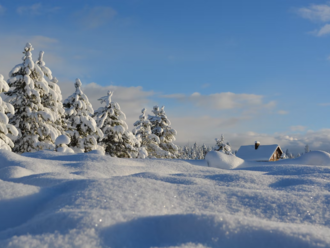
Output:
(52, 199)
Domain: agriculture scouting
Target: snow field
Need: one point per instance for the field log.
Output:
(50, 199)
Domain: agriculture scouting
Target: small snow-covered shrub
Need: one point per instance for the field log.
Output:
(61, 143)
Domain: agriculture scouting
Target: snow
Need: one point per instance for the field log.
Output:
(263, 153)
(51, 199)
(223, 161)
(312, 158)
(62, 139)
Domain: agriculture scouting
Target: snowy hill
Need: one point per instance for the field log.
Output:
(50, 199)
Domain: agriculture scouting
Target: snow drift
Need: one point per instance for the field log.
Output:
(50, 199)
(312, 158)
(222, 160)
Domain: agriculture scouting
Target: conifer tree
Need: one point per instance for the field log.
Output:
(161, 127)
(204, 149)
(150, 142)
(31, 118)
(7, 131)
(53, 100)
(222, 146)
(307, 149)
(117, 141)
(82, 128)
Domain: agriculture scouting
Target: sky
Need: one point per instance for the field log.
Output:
(250, 70)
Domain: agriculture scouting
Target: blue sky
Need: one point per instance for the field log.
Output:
(248, 69)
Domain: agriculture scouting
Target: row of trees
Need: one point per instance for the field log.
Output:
(33, 117)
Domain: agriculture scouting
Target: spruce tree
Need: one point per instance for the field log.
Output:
(161, 127)
(149, 141)
(117, 141)
(222, 146)
(204, 149)
(7, 131)
(53, 100)
(32, 119)
(82, 128)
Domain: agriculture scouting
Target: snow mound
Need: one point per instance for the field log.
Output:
(222, 161)
(62, 139)
(313, 158)
(212, 231)
(98, 152)
(14, 172)
(65, 149)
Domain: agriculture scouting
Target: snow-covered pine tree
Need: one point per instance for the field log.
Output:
(32, 119)
(150, 142)
(82, 128)
(204, 149)
(222, 146)
(7, 131)
(307, 149)
(284, 156)
(183, 152)
(161, 127)
(53, 100)
(117, 141)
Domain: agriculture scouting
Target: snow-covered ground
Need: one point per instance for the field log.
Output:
(50, 199)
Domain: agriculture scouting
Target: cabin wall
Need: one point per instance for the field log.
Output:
(276, 155)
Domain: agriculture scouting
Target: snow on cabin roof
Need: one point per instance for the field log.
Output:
(263, 153)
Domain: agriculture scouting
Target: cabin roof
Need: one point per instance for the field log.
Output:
(263, 153)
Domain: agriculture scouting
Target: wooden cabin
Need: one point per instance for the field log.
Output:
(260, 153)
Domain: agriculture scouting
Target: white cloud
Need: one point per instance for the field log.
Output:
(322, 31)
(316, 12)
(205, 129)
(316, 140)
(35, 9)
(2, 10)
(223, 101)
(95, 17)
(282, 112)
(320, 13)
